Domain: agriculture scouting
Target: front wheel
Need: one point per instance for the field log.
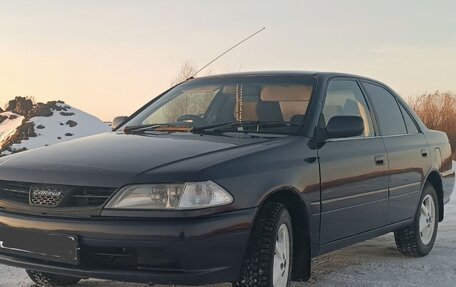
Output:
(269, 256)
(48, 279)
(418, 239)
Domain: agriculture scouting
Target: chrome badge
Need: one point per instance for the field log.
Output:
(47, 195)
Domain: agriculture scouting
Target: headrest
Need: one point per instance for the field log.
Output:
(288, 93)
(351, 107)
(250, 93)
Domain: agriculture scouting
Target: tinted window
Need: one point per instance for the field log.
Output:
(387, 108)
(411, 126)
(344, 98)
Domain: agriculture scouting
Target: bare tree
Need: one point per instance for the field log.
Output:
(185, 72)
(438, 112)
(179, 106)
(195, 104)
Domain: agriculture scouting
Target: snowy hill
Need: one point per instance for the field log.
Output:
(9, 123)
(44, 124)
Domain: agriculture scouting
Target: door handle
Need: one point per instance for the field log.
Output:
(424, 152)
(379, 160)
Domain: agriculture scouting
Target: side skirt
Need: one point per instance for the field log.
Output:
(338, 244)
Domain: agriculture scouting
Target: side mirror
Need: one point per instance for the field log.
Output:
(344, 127)
(118, 121)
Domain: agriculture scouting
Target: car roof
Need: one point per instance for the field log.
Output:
(288, 73)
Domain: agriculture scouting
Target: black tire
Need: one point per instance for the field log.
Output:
(408, 240)
(47, 279)
(257, 267)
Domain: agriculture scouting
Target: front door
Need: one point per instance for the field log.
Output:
(354, 190)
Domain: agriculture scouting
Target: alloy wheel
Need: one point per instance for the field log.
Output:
(427, 219)
(281, 257)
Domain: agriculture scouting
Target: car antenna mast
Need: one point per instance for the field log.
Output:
(222, 54)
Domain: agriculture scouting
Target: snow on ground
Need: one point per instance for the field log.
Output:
(372, 263)
(9, 126)
(57, 128)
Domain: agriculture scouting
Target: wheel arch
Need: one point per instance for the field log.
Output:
(301, 229)
(435, 180)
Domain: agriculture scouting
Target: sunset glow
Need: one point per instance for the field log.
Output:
(110, 57)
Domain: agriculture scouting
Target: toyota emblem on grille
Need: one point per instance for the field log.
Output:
(47, 195)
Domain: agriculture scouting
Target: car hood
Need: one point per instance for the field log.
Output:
(112, 159)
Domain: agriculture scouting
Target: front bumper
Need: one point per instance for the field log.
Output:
(193, 251)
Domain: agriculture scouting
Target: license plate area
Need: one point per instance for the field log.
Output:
(54, 247)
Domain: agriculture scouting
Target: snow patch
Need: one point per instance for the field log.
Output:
(8, 126)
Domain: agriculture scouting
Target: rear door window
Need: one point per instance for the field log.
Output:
(410, 124)
(388, 111)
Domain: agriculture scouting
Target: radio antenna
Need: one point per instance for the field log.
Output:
(221, 55)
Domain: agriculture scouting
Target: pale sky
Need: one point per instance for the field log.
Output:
(109, 57)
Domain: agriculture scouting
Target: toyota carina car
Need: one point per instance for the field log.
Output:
(238, 178)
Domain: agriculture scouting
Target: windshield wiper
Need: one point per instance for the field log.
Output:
(210, 127)
(156, 127)
(224, 127)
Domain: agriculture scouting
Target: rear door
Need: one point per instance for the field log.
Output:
(354, 194)
(408, 154)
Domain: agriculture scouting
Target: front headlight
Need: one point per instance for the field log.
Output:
(192, 195)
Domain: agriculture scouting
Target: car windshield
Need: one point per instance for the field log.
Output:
(249, 104)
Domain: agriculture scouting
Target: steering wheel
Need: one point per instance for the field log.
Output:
(194, 118)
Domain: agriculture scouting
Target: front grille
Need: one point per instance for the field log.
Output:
(60, 196)
(109, 258)
(48, 195)
(149, 259)
(46, 200)
(15, 191)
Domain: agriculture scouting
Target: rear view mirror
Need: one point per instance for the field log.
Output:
(345, 126)
(118, 121)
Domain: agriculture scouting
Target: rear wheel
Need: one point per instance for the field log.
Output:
(269, 257)
(48, 279)
(418, 239)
